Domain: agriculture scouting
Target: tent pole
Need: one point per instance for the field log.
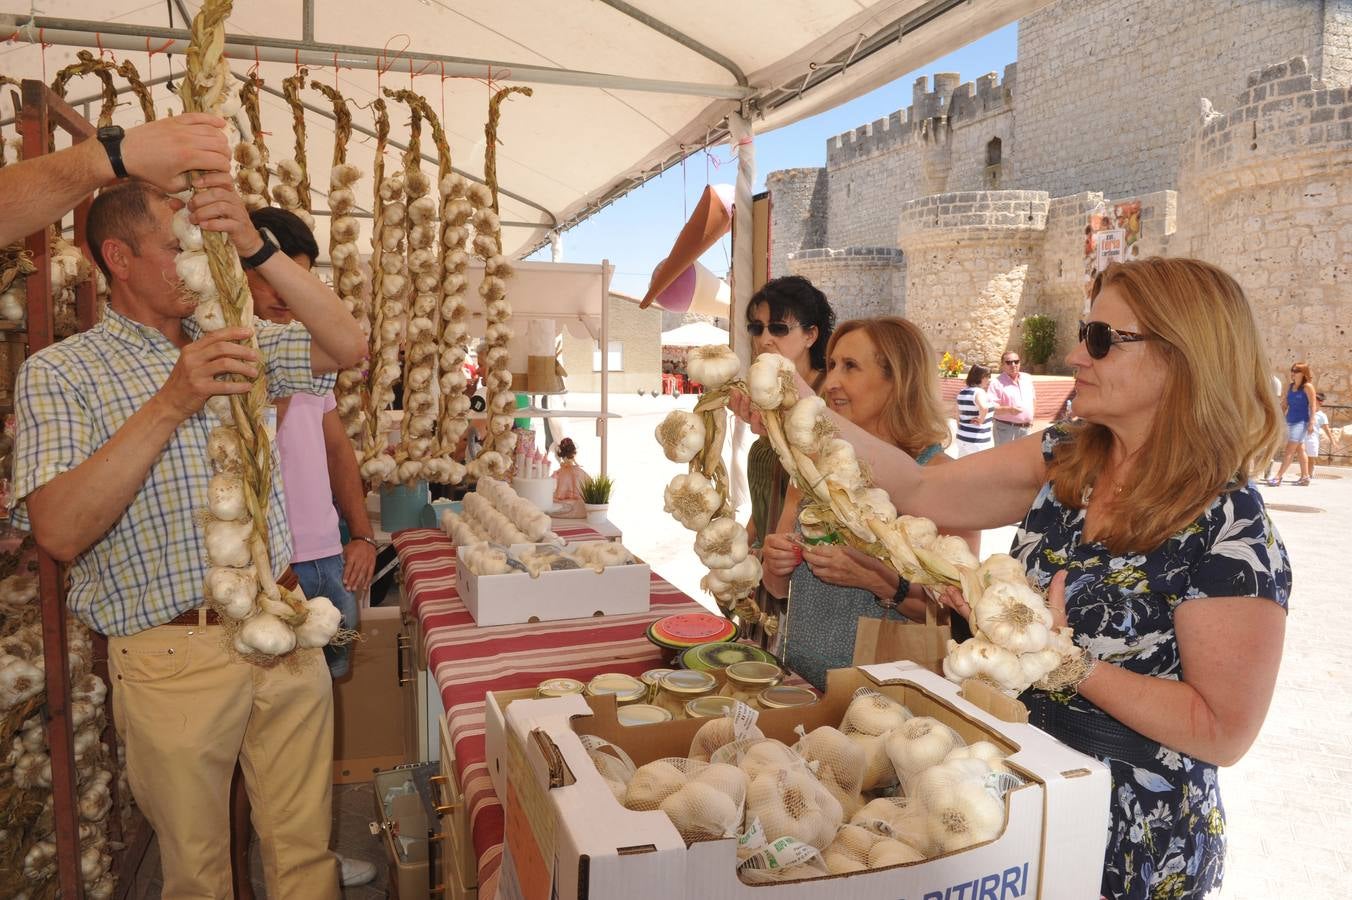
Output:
(743, 235)
(117, 36)
(603, 423)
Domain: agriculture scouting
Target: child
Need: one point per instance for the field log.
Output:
(1318, 424)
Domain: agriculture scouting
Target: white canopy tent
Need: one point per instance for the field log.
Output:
(622, 89)
(694, 334)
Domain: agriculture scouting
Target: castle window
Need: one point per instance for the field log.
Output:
(993, 152)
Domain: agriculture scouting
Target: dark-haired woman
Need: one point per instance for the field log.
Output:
(974, 413)
(791, 317)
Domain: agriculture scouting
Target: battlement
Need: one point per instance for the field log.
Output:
(952, 104)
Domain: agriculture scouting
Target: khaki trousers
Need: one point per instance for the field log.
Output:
(186, 710)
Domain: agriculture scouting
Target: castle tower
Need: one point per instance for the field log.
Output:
(973, 268)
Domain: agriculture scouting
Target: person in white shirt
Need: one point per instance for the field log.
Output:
(1014, 398)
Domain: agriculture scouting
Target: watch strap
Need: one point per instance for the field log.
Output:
(263, 255)
(110, 136)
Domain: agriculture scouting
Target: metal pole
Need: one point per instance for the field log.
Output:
(115, 36)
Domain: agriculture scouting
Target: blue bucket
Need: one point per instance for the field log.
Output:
(402, 507)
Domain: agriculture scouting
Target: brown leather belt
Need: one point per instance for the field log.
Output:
(193, 617)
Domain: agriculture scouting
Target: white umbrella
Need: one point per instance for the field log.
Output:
(694, 334)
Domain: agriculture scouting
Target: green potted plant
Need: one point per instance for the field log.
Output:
(1039, 340)
(596, 496)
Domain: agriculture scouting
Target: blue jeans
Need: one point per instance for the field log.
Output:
(324, 578)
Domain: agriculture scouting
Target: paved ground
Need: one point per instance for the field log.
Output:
(1289, 801)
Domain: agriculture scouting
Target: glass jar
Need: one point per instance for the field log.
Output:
(785, 696)
(642, 714)
(558, 687)
(680, 687)
(746, 680)
(651, 678)
(710, 707)
(624, 688)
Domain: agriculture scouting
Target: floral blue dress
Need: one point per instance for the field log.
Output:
(1166, 836)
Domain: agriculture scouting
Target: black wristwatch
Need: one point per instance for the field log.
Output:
(903, 588)
(110, 136)
(263, 255)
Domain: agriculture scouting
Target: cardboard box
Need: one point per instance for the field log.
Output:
(570, 594)
(567, 834)
(369, 728)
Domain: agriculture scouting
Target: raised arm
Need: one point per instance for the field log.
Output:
(36, 192)
(338, 342)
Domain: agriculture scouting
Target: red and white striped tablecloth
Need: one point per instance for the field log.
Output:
(468, 661)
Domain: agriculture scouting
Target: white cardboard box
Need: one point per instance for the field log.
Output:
(569, 594)
(567, 836)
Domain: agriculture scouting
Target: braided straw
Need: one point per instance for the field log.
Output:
(127, 69)
(491, 136)
(291, 89)
(88, 64)
(350, 381)
(202, 90)
(248, 95)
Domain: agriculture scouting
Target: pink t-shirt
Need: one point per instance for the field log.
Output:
(305, 478)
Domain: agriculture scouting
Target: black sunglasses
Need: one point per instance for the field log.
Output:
(1098, 338)
(1010, 362)
(777, 329)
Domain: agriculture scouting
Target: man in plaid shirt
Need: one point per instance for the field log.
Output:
(111, 468)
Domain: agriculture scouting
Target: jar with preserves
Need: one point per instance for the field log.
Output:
(558, 687)
(651, 678)
(679, 687)
(625, 688)
(746, 680)
(786, 696)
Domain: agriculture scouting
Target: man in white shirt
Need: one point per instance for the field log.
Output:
(1014, 398)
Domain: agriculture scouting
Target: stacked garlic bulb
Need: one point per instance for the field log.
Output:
(291, 173)
(418, 434)
(699, 499)
(69, 270)
(390, 281)
(14, 300)
(251, 174)
(351, 284)
(453, 344)
(493, 355)
(29, 847)
(1014, 644)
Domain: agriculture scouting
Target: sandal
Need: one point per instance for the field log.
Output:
(1273, 482)
(1303, 482)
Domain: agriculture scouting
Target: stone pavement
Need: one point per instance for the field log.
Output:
(1288, 802)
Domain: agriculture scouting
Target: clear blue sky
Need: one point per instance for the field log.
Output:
(637, 231)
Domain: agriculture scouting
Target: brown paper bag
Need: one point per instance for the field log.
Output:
(890, 640)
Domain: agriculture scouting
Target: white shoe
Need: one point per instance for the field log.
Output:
(355, 871)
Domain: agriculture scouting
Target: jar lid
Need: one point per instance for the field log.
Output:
(624, 687)
(688, 681)
(642, 714)
(784, 696)
(653, 676)
(689, 629)
(708, 707)
(755, 672)
(721, 654)
(559, 687)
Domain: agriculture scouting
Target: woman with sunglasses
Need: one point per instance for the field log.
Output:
(1300, 406)
(880, 377)
(1143, 525)
(791, 317)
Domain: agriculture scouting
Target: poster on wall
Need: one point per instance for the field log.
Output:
(1112, 233)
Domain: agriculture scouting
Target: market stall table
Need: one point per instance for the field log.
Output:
(468, 661)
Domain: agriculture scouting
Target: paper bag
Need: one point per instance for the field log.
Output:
(889, 640)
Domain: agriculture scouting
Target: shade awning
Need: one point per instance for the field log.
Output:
(694, 334)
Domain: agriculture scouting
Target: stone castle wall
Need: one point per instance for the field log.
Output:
(800, 216)
(861, 282)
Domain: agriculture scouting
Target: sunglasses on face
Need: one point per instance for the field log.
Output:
(1010, 362)
(776, 329)
(1098, 338)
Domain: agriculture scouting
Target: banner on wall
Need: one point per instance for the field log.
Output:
(1112, 234)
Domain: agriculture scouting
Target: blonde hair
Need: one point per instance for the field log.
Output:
(1215, 420)
(913, 419)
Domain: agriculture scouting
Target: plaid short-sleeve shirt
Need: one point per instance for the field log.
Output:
(71, 397)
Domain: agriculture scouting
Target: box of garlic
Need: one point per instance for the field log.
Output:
(566, 826)
(544, 582)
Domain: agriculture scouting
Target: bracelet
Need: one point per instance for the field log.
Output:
(371, 541)
(903, 588)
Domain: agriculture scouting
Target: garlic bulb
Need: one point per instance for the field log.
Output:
(791, 803)
(1012, 615)
(224, 451)
(652, 784)
(979, 658)
(713, 366)
(195, 272)
(985, 751)
(771, 382)
(962, 812)
(232, 590)
(225, 495)
(807, 427)
(189, 235)
(321, 623)
(887, 852)
(767, 756)
(228, 542)
(681, 435)
(722, 544)
(918, 744)
(701, 810)
(692, 499)
(266, 634)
